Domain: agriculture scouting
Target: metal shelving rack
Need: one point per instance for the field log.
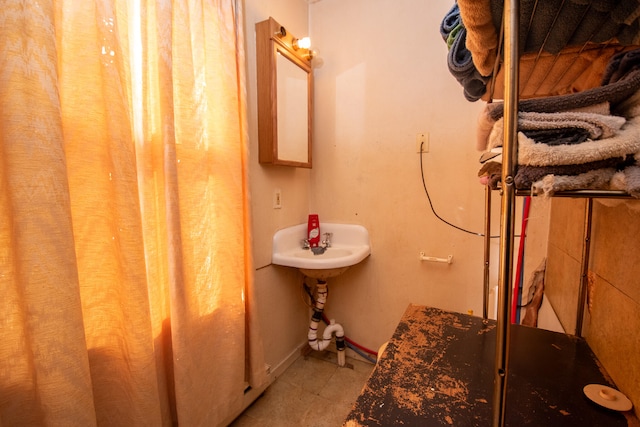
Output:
(511, 16)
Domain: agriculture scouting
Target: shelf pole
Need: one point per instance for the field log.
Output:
(487, 251)
(511, 17)
(584, 279)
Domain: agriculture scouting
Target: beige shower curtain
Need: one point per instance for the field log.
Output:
(125, 265)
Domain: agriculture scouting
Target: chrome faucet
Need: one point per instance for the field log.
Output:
(305, 243)
(319, 250)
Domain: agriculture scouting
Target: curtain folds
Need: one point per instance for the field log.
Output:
(125, 261)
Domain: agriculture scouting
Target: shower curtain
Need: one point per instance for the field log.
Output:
(125, 263)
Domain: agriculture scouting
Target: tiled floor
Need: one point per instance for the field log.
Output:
(313, 392)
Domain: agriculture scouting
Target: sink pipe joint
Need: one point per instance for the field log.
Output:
(333, 327)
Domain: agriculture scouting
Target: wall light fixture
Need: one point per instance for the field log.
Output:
(302, 46)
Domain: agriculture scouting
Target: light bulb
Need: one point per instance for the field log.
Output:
(304, 43)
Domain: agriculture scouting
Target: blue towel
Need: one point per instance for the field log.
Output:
(452, 35)
(459, 58)
(450, 22)
(462, 68)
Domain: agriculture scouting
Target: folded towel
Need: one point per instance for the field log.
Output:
(450, 21)
(551, 26)
(613, 93)
(527, 175)
(493, 155)
(459, 58)
(626, 141)
(453, 34)
(483, 129)
(571, 17)
(632, 181)
(627, 180)
(491, 173)
(541, 25)
(486, 122)
(597, 125)
(462, 68)
(564, 136)
(630, 107)
(629, 35)
(620, 66)
(626, 12)
(482, 37)
(597, 24)
(594, 180)
(574, 69)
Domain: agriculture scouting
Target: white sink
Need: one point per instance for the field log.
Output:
(349, 245)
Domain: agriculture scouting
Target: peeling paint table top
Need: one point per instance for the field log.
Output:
(438, 369)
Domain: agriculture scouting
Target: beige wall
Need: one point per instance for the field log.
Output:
(613, 329)
(564, 258)
(382, 79)
(537, 238)
(282, 314)
(612, 322)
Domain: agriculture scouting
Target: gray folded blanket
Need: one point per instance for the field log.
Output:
(627, 141)
(627, 180)
(597, 125)
(552, 25)
(613, 93)
(564, 136)
(527, 175)
(594, 180)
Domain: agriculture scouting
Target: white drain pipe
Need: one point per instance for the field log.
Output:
(322, 344)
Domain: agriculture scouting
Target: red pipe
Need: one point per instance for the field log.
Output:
(350, 341)
(516, 287)
(355, 344)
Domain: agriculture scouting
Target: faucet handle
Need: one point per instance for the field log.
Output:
(305, 243)
(327, 239)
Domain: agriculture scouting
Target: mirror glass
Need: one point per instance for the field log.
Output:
(293, 107)
(284, 97)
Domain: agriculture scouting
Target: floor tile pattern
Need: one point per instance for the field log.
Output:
(313, 392)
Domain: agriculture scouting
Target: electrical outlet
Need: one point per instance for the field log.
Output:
(422, 142)
(277, 199)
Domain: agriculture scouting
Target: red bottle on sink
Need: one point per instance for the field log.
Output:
(313, 231)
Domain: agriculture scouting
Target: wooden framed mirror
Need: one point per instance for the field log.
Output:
(285, 89)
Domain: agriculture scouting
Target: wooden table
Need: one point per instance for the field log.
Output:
(438, 370)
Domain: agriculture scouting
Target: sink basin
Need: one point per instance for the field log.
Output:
(349, 246)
